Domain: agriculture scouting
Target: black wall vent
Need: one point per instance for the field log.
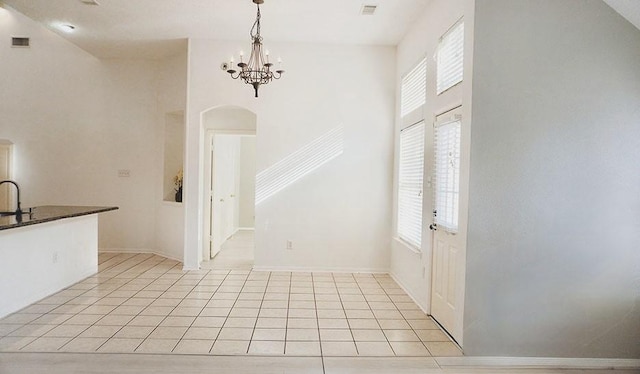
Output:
(20, 42)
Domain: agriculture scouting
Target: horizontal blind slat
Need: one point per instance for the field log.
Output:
(410, 184)
(450, 59)
(447, 175)
(414, 89)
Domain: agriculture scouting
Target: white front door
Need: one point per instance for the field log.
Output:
(449, 242)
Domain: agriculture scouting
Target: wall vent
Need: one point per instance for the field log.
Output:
(90, 2)
(368, 10)
(20, 42)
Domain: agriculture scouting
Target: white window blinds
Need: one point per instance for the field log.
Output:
(414, 89)
(447, 175)
(450, 58)
(411, 170)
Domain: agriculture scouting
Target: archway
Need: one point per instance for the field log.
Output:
(230, 126)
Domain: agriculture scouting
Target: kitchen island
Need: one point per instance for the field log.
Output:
(44, 250)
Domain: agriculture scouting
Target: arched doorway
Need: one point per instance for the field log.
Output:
(228, 176)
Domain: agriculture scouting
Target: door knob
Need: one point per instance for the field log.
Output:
(433, 227)
(222, 200)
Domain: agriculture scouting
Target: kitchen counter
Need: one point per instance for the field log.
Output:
(45, 251)
(41, 214)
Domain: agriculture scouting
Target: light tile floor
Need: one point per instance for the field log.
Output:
(235, 253)
(141, 303)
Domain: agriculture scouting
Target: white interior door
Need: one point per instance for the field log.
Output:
(225, 170)
(449, 242)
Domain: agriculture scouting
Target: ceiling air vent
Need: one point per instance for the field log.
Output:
(368, 10)
(20, 42)
(90, 2)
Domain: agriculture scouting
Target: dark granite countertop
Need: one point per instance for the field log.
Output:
(41, 214)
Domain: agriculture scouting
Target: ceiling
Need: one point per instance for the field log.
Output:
(629, 9)
(157, 28)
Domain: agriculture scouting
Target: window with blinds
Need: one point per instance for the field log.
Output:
(447, 175)
(414, 89)
(410, 177)
(450, 58)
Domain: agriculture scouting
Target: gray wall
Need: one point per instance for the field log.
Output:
(553, 261)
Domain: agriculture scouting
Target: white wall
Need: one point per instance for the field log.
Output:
(411, 267)
(39, 260)
(247, 207)
(76, 120)
(127, 141)
(338, 217)
(172, 101)
(553, 261)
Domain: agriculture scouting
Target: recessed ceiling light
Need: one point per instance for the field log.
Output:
(67, 28)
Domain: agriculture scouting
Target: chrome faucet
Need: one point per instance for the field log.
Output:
(18, 211)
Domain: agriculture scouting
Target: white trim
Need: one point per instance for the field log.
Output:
(139, 251)
(555, 362)
(246, 229)
(297, 269)
(423, 308)
(408, 246)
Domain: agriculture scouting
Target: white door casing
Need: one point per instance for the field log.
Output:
(449, 221)
(6, 191)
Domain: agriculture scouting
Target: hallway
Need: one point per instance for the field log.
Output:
(236, 253)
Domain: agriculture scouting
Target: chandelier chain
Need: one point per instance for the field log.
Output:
(255, 30)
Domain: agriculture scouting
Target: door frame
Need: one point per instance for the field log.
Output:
(209, 183)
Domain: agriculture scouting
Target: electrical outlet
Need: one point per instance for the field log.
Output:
(125, 173)
(289, 244)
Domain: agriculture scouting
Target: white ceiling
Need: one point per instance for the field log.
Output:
(157, 28)
(629, 9)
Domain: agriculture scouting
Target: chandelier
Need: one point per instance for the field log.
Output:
(258, 69)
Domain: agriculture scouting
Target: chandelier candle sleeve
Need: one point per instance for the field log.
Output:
(257, 70)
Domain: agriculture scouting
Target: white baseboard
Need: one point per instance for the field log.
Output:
(295, 269)
(138, 250)
(246, 229)
(550, 362)
(406, 290)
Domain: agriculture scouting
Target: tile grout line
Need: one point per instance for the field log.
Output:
(376, 318)
(315, 303)
(203, 308)
(132, 296)
(166, 316)
(404, 318)
(286, 325)
(127, 299)
(255, 325)
(353, 338)
(232, 306)
(86, 307)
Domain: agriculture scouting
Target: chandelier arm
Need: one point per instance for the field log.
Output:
(231, 72)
